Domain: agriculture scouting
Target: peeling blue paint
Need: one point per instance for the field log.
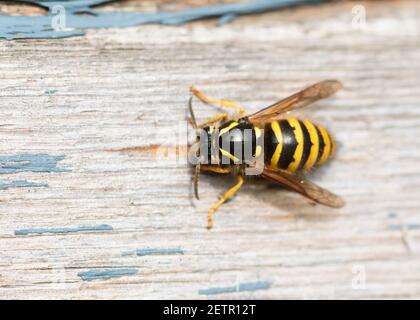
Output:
(392, 215)
(36, 27)
(26, 162)
(226, 19)
(154, 251)
(101, 227)
(21, 184)
(50, 91)
(408, 226)
(106, 274)
(245, 286)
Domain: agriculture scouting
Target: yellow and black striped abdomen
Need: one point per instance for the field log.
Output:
(296, 145)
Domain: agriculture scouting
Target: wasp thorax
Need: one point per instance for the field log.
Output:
(231, 143)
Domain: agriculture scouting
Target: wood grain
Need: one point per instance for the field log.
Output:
(99, 100)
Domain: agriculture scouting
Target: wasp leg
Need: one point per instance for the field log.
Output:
(216, 118)
(207, 168)
(229, 194)
(215, 169)
(221, 103)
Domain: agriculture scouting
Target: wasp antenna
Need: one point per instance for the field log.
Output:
(194, 122)
(196, 177)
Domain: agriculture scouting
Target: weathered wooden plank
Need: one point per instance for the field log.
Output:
(97, 101)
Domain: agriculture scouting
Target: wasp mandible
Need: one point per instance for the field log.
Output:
(287, 147)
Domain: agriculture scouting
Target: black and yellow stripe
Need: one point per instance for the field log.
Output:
(234, 139)
(295, 145)
(227, 153)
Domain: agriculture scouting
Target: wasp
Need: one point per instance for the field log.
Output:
(280, 147)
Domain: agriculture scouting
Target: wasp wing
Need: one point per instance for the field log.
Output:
(298, 100)
(304, 187)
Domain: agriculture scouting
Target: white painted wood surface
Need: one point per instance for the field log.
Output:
(86, 98)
